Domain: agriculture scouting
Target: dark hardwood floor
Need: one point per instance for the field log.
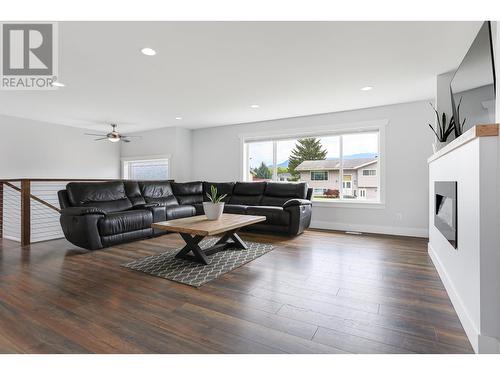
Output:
(321, 292)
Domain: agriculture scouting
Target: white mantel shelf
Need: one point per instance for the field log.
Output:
(490, 130)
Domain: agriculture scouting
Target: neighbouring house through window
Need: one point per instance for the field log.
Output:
(152, 169)
(338, 167)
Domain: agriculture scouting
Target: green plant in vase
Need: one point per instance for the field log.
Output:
(214, 209)
(443, 128)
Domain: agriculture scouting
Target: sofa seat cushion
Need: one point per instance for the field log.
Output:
(274, 215)
(238, 209)
(125, 221)
(180, 211)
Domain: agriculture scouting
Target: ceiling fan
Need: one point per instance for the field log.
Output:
(113, 136)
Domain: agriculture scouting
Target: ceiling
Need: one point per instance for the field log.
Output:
(210, 73)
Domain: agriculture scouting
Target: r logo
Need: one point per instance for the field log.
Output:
(27, 49)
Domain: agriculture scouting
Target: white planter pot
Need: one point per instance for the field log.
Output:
(213, 211)
(436, 146)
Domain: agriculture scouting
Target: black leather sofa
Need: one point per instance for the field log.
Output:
(95, 215)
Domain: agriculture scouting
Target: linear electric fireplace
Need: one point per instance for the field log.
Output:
(445, 211)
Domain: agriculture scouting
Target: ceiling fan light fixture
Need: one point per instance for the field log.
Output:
(114, 139)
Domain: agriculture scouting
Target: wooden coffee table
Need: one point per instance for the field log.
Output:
(194, 229)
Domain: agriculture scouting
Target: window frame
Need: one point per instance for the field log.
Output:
(326, 130)
(326, 172)
(369, 175)
(125, 160)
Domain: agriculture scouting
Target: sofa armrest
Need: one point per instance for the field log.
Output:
(300, 216)
(296, 202)
(81, 211)
(80, 226)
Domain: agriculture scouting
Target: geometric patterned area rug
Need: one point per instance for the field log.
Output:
(191, 273)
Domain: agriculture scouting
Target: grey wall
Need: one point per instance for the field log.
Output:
(173, 141)
(217, 156)
(34, 149)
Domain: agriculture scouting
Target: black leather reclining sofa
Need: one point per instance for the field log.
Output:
(100, 214)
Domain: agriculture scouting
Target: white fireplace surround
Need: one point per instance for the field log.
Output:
(471, 273)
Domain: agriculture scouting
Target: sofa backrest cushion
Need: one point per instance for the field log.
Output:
(247, 193)
(109, 196)
(188, 192)
(277, 193)
(158, 192)
(133, 192)
(222, 188)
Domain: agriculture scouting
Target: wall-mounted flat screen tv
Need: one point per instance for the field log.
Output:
(473, 85)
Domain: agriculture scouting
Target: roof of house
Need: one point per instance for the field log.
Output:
(318, 165)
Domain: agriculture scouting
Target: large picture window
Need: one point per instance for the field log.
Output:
(338, 167)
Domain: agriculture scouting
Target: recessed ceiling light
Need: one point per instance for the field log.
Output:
(367, 88)
(178, 118)
(58, 84)
(148, 51)
(255, 106)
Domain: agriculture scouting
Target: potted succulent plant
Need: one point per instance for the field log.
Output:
(214, 208)
(443, 129)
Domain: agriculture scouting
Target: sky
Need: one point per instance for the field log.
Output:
(353, 144)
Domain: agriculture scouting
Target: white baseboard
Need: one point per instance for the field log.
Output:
(470, 328)
(12, 238)
(398, 231)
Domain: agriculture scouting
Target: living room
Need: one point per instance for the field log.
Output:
(249, 187)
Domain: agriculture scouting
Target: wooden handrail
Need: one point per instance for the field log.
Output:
(34, 197)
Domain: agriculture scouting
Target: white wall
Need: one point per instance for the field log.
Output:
(174, 142)
(217, 157)
(34, 149)
(443, 97)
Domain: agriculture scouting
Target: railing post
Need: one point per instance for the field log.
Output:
(25, 212)
(1, 209)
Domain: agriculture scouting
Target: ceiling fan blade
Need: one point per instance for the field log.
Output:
(93, 134)
(100, 139)
(131, 136)
(125, 140)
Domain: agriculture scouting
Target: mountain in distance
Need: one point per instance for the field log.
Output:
(363, 155)
(359, 156)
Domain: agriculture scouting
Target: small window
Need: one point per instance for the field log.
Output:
(362, 193)
(319, 175)
(155, 169)
(369, 172)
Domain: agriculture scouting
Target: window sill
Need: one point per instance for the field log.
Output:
(350, 204)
